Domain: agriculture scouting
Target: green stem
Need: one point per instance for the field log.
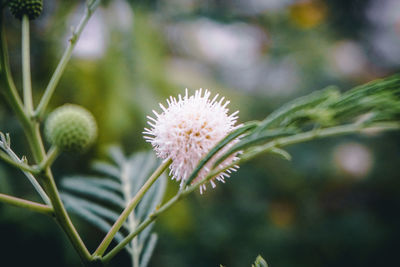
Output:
(26, 65)
(60, 213)
(31, 126)
(131, 220)
(65, 59)
(51, 156)
(35, 141)
(63, 219)
(279, 142)
(10, 90)
(6, 146)
(11, 93)
(26, 204)
(38, 188)
(132, 204)
(316, 134)
(143, 225)
(19, 165)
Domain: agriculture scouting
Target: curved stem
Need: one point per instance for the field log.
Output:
(132, 204)
(26, 204)
(90, 8)
(26, 65)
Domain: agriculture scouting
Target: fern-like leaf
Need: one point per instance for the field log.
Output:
(101, 198)
(377, 101)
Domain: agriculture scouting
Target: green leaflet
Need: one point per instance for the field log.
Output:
(381, 97)
(302, 103)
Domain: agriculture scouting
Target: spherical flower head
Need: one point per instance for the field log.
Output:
(187, 130)
(71, 128)
(31, 8)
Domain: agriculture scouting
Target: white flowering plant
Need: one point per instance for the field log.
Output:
(194, 136)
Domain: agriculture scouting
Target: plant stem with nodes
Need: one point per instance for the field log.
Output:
(30, 124)
(90, 8)
(50, 187)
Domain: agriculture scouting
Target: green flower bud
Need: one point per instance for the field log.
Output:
(71, 128)
(32, 8)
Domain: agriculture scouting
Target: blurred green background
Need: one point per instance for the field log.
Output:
(336, 203)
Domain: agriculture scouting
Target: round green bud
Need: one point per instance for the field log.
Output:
(32, 8)
(71, 128)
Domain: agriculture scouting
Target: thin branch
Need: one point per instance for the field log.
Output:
(63, 218)
(131, 220)
(90, 8)
(316, 134)
(26, 65)
(132, 204)
(26, 204)
(10, 91)
(51, 156)
(4, 144)
(142, 226)
(17, 164)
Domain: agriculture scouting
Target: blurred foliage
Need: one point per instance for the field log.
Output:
(312, 211)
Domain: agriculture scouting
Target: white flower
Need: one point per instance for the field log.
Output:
(186, 131)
